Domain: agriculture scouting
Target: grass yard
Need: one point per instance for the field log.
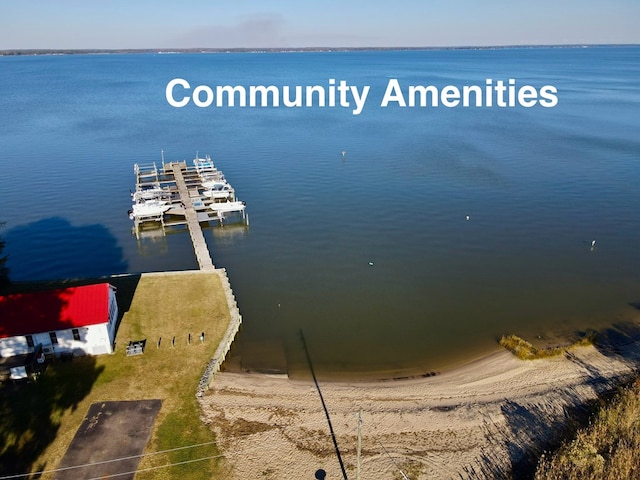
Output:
(162, 307)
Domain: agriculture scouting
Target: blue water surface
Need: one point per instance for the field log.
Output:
(371, 253)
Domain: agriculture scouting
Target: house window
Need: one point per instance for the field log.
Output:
(76, 334)
(29, 340)
(53, 337)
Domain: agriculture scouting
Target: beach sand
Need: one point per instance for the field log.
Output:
(482, 420)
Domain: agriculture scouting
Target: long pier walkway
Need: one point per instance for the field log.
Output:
(191, 216)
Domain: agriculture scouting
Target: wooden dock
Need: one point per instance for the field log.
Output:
(179, 195)
(197, 238)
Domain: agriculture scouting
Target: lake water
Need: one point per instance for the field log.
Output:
(370, 254)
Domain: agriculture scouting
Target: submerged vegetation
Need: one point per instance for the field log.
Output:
(608, 449)
(526, 351)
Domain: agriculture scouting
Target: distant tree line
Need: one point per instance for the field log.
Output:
(85, 51)
(68, 52)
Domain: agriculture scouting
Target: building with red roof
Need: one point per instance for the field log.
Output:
(75, 320)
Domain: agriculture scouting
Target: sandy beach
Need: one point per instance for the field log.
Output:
(482, 420)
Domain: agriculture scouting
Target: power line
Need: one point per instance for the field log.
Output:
(185, 447)
(148, 469)
(150, 454)
(62, 469)
(200, 459)
(393, 461)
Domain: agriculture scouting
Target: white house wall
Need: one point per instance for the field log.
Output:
(14, 346)
(94, 340)
(98, 340)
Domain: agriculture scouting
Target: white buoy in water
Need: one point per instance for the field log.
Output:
(343, 153)
(371, 264)
(468, 218)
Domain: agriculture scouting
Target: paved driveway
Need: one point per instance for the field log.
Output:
(110, 430)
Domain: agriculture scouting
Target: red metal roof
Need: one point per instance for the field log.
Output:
(62, 309)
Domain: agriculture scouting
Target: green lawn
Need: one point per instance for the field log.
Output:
(38, 421)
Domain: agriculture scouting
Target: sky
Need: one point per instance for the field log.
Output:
(162, 24)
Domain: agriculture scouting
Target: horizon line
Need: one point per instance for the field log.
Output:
(44, 51)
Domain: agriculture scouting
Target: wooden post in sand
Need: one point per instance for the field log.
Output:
(359, 447)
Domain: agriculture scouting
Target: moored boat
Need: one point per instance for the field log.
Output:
(148, 208)
(217, 190)
(148, 194)
(223, 207)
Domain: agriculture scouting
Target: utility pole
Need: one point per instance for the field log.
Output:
(359, 448)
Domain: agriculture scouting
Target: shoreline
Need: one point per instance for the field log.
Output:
(480, 420)
(441, 365)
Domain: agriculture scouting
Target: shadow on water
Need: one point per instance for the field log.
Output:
(30, 412)
(538, 426)
(54, 248)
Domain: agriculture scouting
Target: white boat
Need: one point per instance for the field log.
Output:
(223, 207)
(149, 208)
(218, 190)
(147, 194)
(198, 204)
(210, 179)
(204, 165)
